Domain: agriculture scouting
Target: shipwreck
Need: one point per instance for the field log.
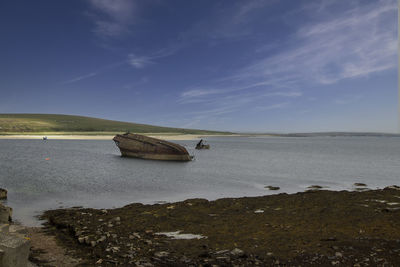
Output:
(202, 145)
(144, 147)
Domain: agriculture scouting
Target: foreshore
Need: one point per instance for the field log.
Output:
(316, 227)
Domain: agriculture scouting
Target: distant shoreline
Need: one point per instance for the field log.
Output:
(107, 137)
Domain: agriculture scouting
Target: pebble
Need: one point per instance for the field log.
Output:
(161, 254)
(314, 187)
(395, 187)
(3, 193)
(102, 238)
(338, 254)
(270, 187)
(237, 252)
(359, 184)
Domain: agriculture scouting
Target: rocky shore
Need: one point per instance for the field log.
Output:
(14, 241)
(317, 227)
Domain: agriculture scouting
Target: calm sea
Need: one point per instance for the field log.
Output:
(92, 173)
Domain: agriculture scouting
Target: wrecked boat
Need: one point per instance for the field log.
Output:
(202, 145)
(144, 147)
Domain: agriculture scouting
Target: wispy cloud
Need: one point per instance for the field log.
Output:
(214, 108)
(272, 106)
(194, 94)
(357, 43)
(285, 94)
(94, 73)
(227, 22)
(112, 17)
(140, 62)
(79, 78)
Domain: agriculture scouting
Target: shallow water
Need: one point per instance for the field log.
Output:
(92, 174)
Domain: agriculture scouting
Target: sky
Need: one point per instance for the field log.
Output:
(243, 66)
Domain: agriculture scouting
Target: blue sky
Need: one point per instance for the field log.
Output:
(260, 66)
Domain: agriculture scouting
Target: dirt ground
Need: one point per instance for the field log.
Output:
(46, 251)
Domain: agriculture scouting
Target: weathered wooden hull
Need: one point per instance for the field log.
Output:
(144, 147)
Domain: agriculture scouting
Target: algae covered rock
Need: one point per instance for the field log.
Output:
(5, 214)
(270, 187)
(3, 193)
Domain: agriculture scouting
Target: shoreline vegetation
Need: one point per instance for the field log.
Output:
(70, 127)
(56, 126)
(316, 227)
(32, 124)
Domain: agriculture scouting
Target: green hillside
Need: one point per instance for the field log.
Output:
(68, 124)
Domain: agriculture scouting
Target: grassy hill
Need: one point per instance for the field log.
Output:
(68, 124)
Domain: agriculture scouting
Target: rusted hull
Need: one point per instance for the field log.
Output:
(140, 146)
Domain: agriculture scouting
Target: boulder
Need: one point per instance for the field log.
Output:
(15, 250)
(5, 214)
(3, 193)
(270, 187)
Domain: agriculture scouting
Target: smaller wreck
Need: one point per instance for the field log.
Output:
(202, 145)
(144, 147)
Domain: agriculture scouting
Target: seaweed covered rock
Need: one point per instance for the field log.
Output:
(317, 228)
(5, 213)
(3, 193)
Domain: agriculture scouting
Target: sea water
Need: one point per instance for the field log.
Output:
(42, 175)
